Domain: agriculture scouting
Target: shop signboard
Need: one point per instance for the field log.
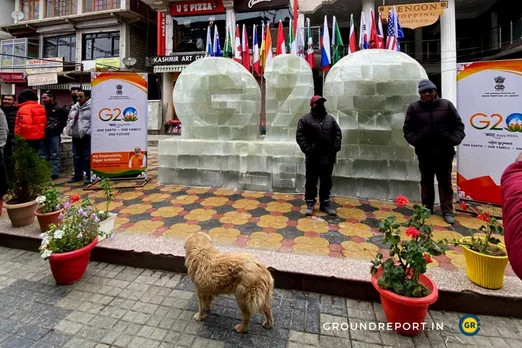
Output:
(414, 16)
(42, 79)
(490, 105)
(119, 125)
(259, 5)
(196, 8)
(47, 65)
(12, 77)
(176, 59)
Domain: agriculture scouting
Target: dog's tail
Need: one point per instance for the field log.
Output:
(258, 290)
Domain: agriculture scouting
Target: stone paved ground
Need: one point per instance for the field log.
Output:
(117, 306)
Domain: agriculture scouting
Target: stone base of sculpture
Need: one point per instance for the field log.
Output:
(279, 166)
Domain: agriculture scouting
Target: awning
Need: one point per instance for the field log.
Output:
(169, 68)
(65, 86)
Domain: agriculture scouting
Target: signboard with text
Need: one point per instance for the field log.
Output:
(259, 5)
(196, 8)
(177, 59)
(119, 125)
(490, 104)
(42, 79)
(12, 77)
(41, 66)
(414, 16)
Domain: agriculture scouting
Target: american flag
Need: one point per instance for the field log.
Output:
(394, 31)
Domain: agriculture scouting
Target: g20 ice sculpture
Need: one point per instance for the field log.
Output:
(218, 102)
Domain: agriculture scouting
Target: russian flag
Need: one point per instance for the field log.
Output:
(326, 56)
(255, 49)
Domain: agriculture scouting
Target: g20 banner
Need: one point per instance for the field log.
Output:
(490, 104)
(119, 125)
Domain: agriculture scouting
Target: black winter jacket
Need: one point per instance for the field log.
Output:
(433, 128)
(56, 120)
(10, 115)
(319, 137)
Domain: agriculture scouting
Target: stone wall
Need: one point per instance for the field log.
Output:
(66, 156)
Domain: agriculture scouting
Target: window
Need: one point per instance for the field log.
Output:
(100, 5)
(57, 8)
(31, 9)
(60, 46)
(101, 45)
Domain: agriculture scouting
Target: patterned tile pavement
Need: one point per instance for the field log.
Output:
(266, 220)
(117, 306)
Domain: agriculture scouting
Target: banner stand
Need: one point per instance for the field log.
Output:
(138, 183)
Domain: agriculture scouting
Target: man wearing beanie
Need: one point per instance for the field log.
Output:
(434, 127)
(31, 119)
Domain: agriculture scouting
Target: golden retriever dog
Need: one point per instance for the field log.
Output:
(214, 273)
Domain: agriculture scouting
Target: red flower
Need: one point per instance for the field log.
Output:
(428, 258)
(463, 206)
(401, 201)
(484, 216)
(412, 232)
(75, 198)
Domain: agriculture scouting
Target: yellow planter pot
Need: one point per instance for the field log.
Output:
(484, 270)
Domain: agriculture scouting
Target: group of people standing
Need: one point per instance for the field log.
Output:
(41, 126)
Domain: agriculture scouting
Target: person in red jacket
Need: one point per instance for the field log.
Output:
(511, 183)
(31, 119)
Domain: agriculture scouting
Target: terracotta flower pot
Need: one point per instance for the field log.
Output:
(1, 206)
(21, 214)
(46, 219)
(407, 314)
(68, 268)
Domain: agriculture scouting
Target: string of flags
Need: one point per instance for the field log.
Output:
(300, 42)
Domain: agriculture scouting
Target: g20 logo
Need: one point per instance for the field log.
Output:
(130, 114)
(513, 122)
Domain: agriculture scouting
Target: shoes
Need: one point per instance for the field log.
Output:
(309, 209)
(74, 179)
(327, 208)
(450, 218)
(54, 177)
(87, 181)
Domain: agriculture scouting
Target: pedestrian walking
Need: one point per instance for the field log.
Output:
(31, 119)
(319, 137)
(56, 122)
(433, 126)
(79, 128)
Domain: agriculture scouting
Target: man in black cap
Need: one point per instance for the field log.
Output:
(319, 137)
(433, 126)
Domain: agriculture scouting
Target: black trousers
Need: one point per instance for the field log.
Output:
(322, 172)
(82, 156)
(440, 166)
(3, 175)
(8, 154)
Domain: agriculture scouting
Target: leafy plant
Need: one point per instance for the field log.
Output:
(80, 225)
(487, 245)
(109, 197)
(49, 200)
(408, 259)
(32, 174)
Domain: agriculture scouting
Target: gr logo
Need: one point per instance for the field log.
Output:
(469, 325)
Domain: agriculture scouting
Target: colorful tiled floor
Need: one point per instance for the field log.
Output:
(266, 220)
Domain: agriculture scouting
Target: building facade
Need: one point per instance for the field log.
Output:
(68, 39)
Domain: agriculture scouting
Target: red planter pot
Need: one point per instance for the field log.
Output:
(46, 219)
(406, 313)
(68, 268)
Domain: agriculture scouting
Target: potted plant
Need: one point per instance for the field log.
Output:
(68, 246)
(486, 257)
(107, 219)
(405, 292)
(50, 209)
(31, 176)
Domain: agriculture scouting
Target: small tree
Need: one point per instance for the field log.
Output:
(32, 174)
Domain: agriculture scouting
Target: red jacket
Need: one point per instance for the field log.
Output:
(512, 214)
(31, 120)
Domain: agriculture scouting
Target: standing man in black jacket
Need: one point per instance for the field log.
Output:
(56, 121)
(319, 137)
(433, 126)
(10, 111)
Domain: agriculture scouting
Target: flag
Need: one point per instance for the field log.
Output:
(380, 33)
(373, 31)
(268, 47)
(209, 50)
(310, 45)
(255, 51)
(238, 57)
(216, 45)
(246, 50)
(326, 57)
(363, 35)
(352, 41)
(262, 51)
(337, 42)
(291, 39)
(227, 51)
(394, 31)
(281, 45)
(299, 39)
